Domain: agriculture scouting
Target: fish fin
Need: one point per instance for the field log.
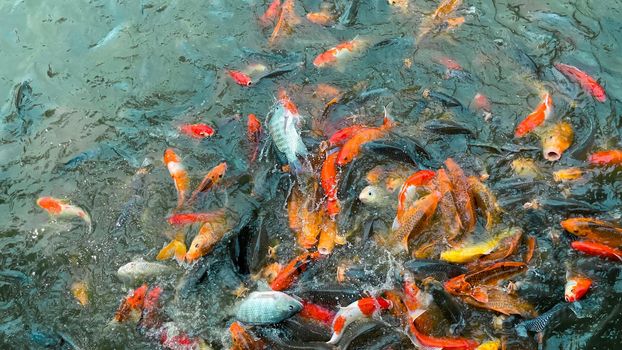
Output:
(175, 248)
(396, 224)
(340, 239)
(335, 338)
(479, 294)
(416, 313)
(387, 121)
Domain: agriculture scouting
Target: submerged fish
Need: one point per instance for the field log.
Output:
(542, 112)
(589, 84)
(339, 53)
(62, 209)
(197, 131)
(606, 158)
(140, 269)
(555, 140)
(210, 180)
(178, 174)
(282, 127)
(595, 230)
(262, 308)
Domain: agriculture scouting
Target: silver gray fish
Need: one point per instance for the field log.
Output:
(267, 308)
(139, 269)
(282, 126)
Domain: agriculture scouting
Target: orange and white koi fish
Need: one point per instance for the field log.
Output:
(606, 158)
(417, 179)
(362, 308)
(339, 53)
(576, 287)
(210, 180)
(542, 112)
(178, 173)
(240, 78)
(62, 209)
(197, 131)
(291, 272)
(589, 84)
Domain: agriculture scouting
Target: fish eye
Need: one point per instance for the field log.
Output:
(291, 307)
(196, 245)
(219, 176)
(249, 83)
(370, 193)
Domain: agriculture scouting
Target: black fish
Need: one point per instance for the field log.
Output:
(450, 308)
(279, 70)
(540, 323)
(447, 127)
(438, 269)
(569, 206)
(402, 149)
(446, 100)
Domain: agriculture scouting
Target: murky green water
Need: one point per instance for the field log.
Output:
(119, 77)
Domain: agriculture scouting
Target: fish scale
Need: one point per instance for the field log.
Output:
(267, 308)
(285, 136)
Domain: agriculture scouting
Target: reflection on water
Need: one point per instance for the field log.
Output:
(92, 89)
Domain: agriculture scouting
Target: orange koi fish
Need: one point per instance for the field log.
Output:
(328, 236)
(291, 272)
(80, 292)
(531, 248)
(242, 339)
(324, 17)
(485, 200)
(576, 287)
(569, 174)
(362, 308)
(175, 249)
(446, 7)
(316, 312)
(240, 78)
(338, 53)
(209, 235)
(178, 173)
(416, 219)
(329, 180)
(193, 218)
(450, 219)
(62, 209)
(555, 140)
(470, 284)
(597, 249)
(210, 180)
(352, 147)
(287, 19)
(462, 195)
(197, 131)
(132, 305)
(417, 179)
(605, 158)
(440, 343)
(542, 112)
(311, 221)
(341, 136)
(253, 131)
(589, 84)
(595, 230)
(272, 12)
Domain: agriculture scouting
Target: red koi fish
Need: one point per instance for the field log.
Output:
(328, 178)
(417, 179)
(341, 136)
(442, 343)
(291, 272)
(240, 78)
(362, 308)
(335, 54)
(316, 312)
(576, 288)
(192, 218)
(178, 173)
(253, 131)
(542, 112)
(131, 307)
(589, 84)
(197, 131)
(605, 158)
(272, 12)
(597, 249)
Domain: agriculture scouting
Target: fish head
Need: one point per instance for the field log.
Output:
(572, 225)
(576, 288)
(218, 172)
(196, 248)
(288, 306)
(372, 195)
(51, 205)
(457, 285)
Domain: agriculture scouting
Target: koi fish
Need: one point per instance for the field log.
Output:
(490, 345)
(597, 249)
(352, 147)
(446, 8)
(323, 17)
(417, 179)
(291, 272)
(132, 305)
(242, 339)
(462, 195)
(595, 230)
(253, 131)
(209, 235)
(262, 308)
(210, 180)
(183, 219)
(525, 167)
(589, 84)
(362, 308)
(450, 219)
(542, 112)
(470, 284)
(498, 300)
(311, 221)
(338, 53)
(506, 247)
(328, 237)
(240, 78)
(441, 343)
(329, 180)
(555, 140)
(80, 292)
(341, 136)
(197, 131)
(472, 252)
(175, 249)
(604, 158)
(272, 12)
(294, 209)
(282, 126)
(485, 200)
(140, 269)
(316, 312)
(576, 287)
(287, 19)
(481, 103)
(62, 209)
(416, 219)
(569, 174)
(374, 196)
(178, 173)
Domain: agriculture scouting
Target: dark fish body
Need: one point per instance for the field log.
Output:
(449, 127)
(569, 205)
(446, 100)
(450, 308)
(435, 268)
(540, 323)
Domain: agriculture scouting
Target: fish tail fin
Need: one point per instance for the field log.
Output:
(335, 338)
(396, 223)
(387, 122)
(176, 248)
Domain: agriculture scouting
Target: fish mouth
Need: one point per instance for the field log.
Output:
(552, 154)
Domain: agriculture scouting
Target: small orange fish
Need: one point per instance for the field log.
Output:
(178, 173)
(328, 235)
(342, 136)
(132, 305)
(576, 287)
(470, 283)
(568, 174)
(531, 248)
(242, 339)
(272, 12)
(329, 180)
(481, 103)
(175, 249)
(240, 78)
(462, 195)
(210, 180)
(605, 158)
(294, 205)
(291, 272)
(197, 131)
(555, 140)
(597, 249)
(542, 112)
(446, 7)
(416, 219)
(338, 53)
(449, 63)
(417, 179)
(80, 292)
(595, 230)
(352, 147)
(253, 132)
(323, 18)
(287, 19)
(209, 235)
